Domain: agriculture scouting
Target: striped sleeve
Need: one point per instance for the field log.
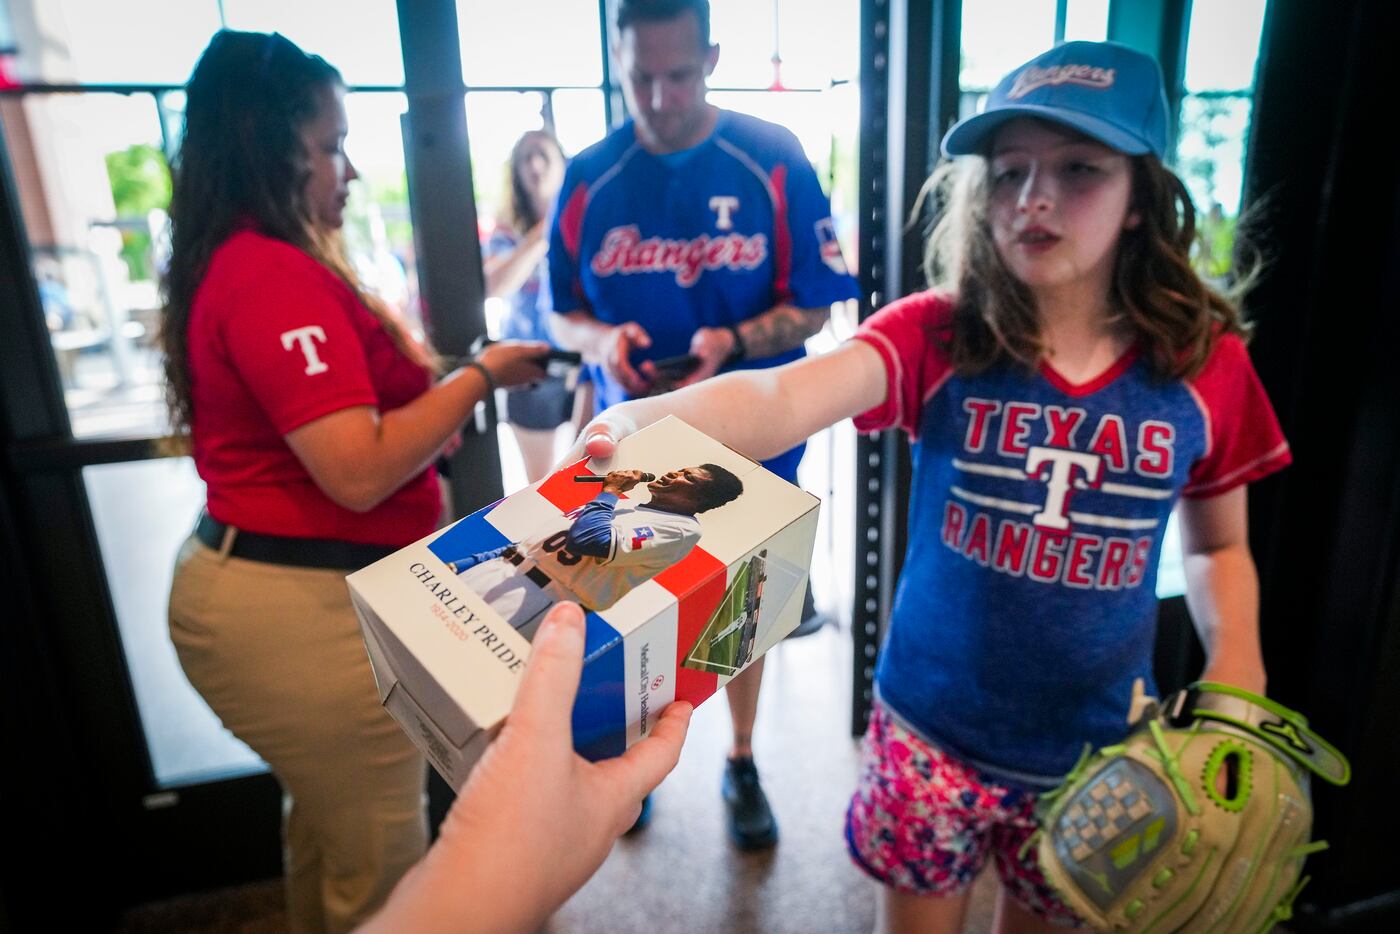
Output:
(565, 235)
(905, 334)
(1243, 440)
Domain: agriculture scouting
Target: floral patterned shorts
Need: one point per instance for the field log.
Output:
(923, 822)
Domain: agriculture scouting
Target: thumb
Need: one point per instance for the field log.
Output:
(601, 436)
(545, 699)
(600, 444)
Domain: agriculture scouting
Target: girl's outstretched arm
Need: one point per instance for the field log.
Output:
(1222, 587)
(759, 413)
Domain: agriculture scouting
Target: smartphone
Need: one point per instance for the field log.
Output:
(562, 363)
(672, 369)
(559, 363)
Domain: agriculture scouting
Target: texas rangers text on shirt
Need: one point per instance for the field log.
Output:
(624, 252)
(1054, 453)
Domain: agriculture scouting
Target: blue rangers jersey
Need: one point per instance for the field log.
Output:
(1026, 605)
(707, 237)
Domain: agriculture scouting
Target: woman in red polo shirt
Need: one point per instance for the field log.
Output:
(315, 420)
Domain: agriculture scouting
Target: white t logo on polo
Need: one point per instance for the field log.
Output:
(303, 337)
(723, 206)
(1055, 514)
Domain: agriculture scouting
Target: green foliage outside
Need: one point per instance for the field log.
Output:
(140, 182)
(1206, 119)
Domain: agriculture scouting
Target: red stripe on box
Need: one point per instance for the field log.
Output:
(561, 490)
(698, 582)
(565, 493)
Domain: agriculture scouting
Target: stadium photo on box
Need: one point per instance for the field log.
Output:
(760, 588)
(726, 643)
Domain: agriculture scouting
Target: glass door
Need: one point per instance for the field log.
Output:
(90, 115)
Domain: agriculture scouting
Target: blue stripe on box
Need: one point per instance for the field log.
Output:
(600, 712)
(470, 536)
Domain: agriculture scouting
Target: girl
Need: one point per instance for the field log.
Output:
(315, 420)
(513, 263)
(1066, 384)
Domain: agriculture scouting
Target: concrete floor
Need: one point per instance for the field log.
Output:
(681, 874)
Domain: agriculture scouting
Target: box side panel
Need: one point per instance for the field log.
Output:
(440, 637)
(791, 546)
(384, 675)
(600, 710)
(699, 583)
(451, 760)
(651, 668)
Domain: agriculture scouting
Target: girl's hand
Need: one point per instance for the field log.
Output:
(599, 437)
(514, 363)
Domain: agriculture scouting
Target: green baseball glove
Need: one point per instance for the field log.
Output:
(1199, 821)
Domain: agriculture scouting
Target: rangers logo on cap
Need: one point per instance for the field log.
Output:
(1032, 78)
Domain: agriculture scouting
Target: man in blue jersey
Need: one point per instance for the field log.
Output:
(692, 231)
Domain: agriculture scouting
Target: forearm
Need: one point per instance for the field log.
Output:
(1222, 592)
(762, 413)
(581, 332)
(507, 272)
(780, 329)
(359, 457)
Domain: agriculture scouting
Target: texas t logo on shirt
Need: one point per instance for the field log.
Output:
(302, 338)
(1051, 456)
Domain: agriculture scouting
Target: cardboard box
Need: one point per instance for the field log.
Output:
(678, 601)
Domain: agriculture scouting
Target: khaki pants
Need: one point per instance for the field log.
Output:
(277, 653)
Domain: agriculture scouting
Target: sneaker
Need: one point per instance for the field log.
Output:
(812, 621)
(809, 625)
(643, 818)
(751, 823)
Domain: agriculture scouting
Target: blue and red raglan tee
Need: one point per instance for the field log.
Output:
(1027, 603)
(707, 237)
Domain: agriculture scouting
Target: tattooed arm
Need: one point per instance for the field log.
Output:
(779, 329)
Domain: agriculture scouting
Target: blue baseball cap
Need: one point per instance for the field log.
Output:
(1104, 90)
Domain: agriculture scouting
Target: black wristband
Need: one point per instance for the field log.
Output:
(485, 374)
(739, 351)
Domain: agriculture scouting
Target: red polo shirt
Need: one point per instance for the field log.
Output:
(276, 340)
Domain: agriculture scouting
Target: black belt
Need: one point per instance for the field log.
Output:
(325, 553)
(540, 578)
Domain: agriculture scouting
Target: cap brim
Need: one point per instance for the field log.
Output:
(970, 137)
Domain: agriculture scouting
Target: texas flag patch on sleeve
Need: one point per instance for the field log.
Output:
(640, 534)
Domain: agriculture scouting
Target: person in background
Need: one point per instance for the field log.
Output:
(513, 260)
(699, 237)
(314, 419)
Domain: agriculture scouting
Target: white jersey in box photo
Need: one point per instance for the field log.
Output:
(599, 552)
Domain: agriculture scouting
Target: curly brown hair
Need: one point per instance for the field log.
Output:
(242, 161)
(1173, 311)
